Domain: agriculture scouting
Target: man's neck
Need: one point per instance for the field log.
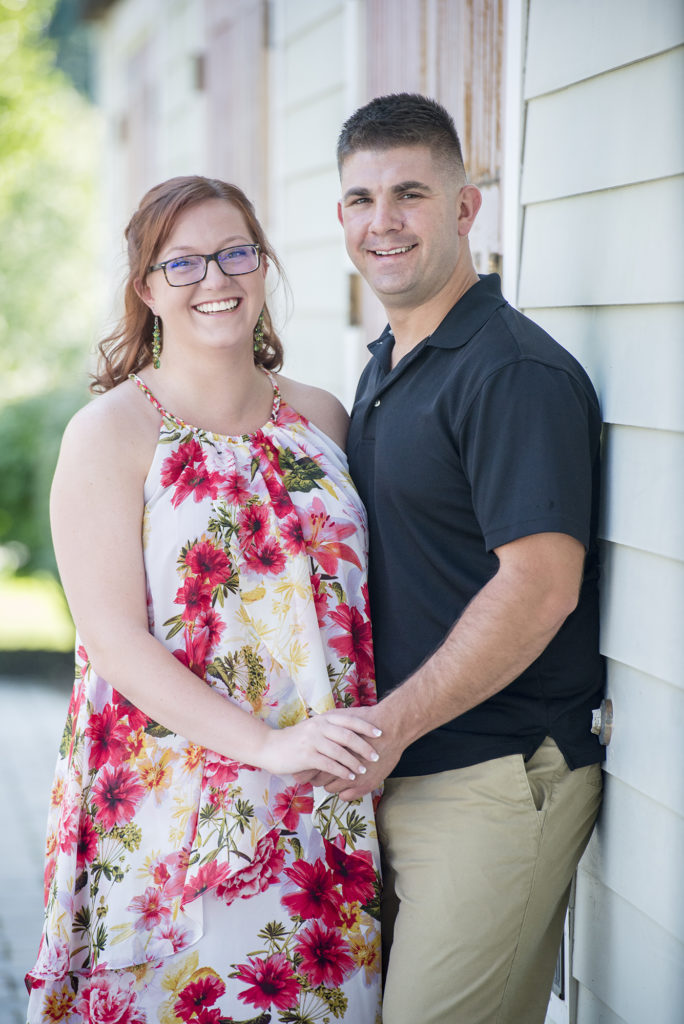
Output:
(410, 326)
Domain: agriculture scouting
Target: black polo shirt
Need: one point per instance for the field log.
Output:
(487, 431)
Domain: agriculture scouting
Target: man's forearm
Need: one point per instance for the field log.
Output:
(501, 632)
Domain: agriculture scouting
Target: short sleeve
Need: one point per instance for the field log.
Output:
(528, 445)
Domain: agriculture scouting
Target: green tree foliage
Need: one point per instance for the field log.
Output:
(49, 273)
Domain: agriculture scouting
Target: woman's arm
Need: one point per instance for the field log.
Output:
(96, 513)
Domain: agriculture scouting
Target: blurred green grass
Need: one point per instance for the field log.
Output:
(34, 614)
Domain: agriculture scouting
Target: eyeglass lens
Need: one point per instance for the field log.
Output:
(239, 259)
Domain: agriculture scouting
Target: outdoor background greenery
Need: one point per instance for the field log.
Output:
(50, 288)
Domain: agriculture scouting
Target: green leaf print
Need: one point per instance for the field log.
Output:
(301, 474)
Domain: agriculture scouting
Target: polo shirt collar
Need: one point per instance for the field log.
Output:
(462, 321)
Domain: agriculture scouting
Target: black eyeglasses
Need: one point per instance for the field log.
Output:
(236, 260)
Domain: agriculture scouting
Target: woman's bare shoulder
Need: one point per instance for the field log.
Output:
(318, 406)
(116, 424)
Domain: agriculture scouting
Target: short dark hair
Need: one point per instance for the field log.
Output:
(401, 119)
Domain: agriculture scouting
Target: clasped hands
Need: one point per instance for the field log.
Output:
(356, 751)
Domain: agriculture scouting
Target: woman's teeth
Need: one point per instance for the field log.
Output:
(216, 307)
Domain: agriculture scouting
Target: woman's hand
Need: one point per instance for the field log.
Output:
(333, 743)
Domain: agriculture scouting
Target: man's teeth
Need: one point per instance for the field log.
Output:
(393, 252)
(217, 307)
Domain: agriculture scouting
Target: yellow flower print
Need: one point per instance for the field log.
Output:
(350, 918)
(366, 950)
(59, 1004)
(193, 756)
(173, 981)
(297, 658)
(57, 794)
(157, 775)
(291, 714)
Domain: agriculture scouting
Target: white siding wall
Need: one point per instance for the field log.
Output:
(602, 269)
(312, 45)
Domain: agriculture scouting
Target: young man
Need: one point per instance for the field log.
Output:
(474, 443)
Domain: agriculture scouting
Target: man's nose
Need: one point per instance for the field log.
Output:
(387, 216)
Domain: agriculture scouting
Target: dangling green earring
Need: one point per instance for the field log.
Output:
(259, 334)
(156, 343)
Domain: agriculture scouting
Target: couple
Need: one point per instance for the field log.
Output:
(212, 851)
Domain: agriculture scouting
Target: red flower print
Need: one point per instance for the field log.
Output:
(291, 531)
(268, 558)
(86, 845)
(124, 709)
(263, 871)
(210, 563)
(320, 596)
(177, 936)
(325, 955)
(107, 1000)
(209, 1015)
(235, 489)
(198, 995)
(185, 455)
(195, 597)
(353, 871)
(357, 641)
(192, 655)
(253, 524)
(292, 802)
(150, 907)
(362, 691)
(208, 629)
(108, 735)
(68, 830)
(208, 877)
(317, 896)
(273, 982)
(220, 771)
(198, 481)
(323, 536)
(116, 794)
(281, 502)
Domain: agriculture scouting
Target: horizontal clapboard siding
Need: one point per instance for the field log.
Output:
(602, 269)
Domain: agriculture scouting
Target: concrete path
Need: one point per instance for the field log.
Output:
(31, 721)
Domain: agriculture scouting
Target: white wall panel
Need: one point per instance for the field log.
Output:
(642, 597)
(315, 56)
(623, 854)
(634, 356)
(310, 211)
(585, 138)
(569, 41)
(632, 964)
(313, 286)
(299, 16)
(311, 139)
(646, 749)
(603, 248)
(643, 488)
(591, 1010)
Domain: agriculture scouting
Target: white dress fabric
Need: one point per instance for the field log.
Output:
(181, 886)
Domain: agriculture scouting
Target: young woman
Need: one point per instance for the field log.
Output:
(213, 552)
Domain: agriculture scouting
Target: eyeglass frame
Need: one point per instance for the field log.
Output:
(207, 260)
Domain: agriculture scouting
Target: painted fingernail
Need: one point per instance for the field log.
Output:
(374, 757)
(361, 769)
(352, 777)
(377, 732)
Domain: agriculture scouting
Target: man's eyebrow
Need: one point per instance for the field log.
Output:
(402, 186)
(411, 186)
(357, 190)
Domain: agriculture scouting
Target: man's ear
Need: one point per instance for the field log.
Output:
(470, 201)
(339, 214)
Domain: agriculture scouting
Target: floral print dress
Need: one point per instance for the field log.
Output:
(181, 886)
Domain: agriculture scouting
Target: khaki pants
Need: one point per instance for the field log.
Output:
(478, 867)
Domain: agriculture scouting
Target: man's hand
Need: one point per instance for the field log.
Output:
(389, 750)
